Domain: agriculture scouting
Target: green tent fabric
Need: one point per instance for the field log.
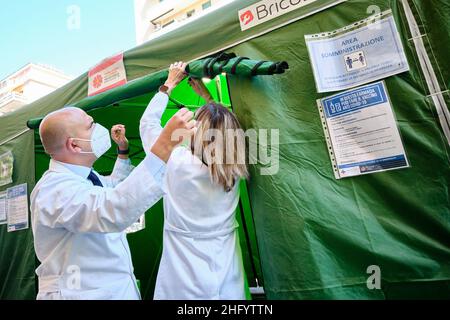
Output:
(211, 67)
(316, 235)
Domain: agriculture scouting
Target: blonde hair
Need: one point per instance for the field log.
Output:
(220, 143)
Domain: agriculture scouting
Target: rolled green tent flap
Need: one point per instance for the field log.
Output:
(231, 64)
(210, 67)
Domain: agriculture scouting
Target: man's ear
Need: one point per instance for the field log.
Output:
(72, 146)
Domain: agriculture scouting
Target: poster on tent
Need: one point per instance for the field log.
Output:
(266, 10)
(108, 74)
(358, 54)
(3, 216)
(6, 168)
(17, 208)
(361, 132)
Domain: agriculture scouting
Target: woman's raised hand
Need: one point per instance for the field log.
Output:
(177, 72)
(199, 87)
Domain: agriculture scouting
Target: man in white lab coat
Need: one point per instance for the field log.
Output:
(79, 217)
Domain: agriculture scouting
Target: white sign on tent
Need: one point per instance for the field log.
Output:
(267, 10)
(361, 132)
(17, 208)
(108, 74)
(360, 53)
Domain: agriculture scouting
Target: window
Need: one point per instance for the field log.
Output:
(166, 24)
(206, 5)
(190, 13)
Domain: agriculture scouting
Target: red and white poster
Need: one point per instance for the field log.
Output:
(108, 74)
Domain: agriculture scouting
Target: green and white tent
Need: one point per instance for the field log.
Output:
(304, 234)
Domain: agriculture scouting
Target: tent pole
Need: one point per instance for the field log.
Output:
(436, 93)
(14, 137)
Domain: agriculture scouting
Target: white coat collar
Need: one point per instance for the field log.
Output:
(59, 166)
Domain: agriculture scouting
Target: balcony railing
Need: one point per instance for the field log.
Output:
(11, 97)
(156, 12)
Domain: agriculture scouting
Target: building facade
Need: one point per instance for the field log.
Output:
(155, 17)
(27, 85)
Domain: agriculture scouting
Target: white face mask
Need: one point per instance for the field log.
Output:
(100, 141)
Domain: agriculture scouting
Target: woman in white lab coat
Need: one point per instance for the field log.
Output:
(201, 256)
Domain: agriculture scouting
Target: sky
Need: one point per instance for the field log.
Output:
(49, 32)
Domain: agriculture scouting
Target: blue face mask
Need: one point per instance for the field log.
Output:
(100, 141)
